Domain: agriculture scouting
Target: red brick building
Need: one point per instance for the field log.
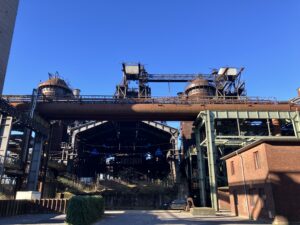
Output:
(224, 199)
(264, 180)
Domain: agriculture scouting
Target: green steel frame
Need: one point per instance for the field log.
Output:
(207, 141)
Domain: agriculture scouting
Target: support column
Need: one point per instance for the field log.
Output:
(35, 163)
(25, 144)
(24, 157)
(176, 154)
(212, 157)
(5, 129)
(201, 167)
(48, 147)
(269, 128)
(173, 158)
(238, 126)
(296, 124)
(276, 127)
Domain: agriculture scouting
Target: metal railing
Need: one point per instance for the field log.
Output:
(19, 207)
(110, 99)
(36, 122)
(295, 100)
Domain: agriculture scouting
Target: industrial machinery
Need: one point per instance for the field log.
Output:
(226, 81)
(121, 130)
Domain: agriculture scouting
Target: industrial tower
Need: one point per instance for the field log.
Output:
(8, 13)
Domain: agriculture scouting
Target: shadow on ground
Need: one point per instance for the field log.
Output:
(166, 218)
(133, 217)
(43, 219)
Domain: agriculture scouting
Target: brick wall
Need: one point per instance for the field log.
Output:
(270, 192)
(224, 199)
(284, 166)
(249, 198)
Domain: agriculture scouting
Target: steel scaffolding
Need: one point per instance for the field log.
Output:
(209, 142)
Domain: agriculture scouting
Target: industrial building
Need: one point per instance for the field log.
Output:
(264, 179)
(125, 136)
(107, 143)
(8, 13)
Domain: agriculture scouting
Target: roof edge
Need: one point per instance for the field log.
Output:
(258, 142)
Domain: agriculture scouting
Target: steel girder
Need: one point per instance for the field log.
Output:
(33, 121)
(211, 141)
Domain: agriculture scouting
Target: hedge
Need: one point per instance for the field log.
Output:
(84, 210)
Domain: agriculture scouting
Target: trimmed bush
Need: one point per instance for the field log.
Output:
(85, 210)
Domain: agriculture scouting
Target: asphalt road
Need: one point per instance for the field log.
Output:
(134, 217)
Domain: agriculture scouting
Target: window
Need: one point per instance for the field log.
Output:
(256, 160)
(232, 168)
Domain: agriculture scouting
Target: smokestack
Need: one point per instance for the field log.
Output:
(8, 13)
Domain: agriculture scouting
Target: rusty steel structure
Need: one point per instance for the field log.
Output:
(225, 82)
(168, 109)
(216, 118)
(219, 90)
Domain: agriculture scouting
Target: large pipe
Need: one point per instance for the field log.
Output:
(126, 111)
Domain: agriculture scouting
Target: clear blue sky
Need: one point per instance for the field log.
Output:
(87, 40)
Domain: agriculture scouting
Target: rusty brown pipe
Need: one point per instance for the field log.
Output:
(167, 112)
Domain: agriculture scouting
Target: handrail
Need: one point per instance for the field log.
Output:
(104, 99)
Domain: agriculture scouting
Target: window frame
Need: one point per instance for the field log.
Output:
(232, 169)
(256, 158)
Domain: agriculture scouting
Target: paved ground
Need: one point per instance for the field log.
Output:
(133, 217)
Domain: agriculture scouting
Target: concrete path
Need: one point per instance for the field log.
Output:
(132, 217)
(42, 219)
(163, 217)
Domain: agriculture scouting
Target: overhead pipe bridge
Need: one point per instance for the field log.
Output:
(159, 108)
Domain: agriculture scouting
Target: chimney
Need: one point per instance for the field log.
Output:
(298, 91)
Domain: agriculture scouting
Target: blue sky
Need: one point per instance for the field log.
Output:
(87, 40)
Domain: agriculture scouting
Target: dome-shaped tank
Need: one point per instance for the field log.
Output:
(55, 86)
(199, 88)
(76, 93)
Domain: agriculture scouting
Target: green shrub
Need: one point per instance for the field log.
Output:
(84, 210)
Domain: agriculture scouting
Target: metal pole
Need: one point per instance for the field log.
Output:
(35, 163)
(5, 130)
(201, 168)
(238, 126)
(269, 129)
(48, 149)
(296, 124)
(244, 185)
(212, 156)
